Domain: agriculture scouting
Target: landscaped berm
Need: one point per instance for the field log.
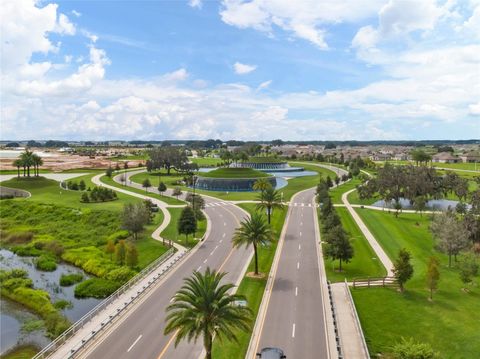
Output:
(231, 179)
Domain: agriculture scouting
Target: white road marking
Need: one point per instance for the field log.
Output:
(213, 250)
(198, 269)
(293, 331)
(303, 204)
(301, 223)
(296, 291)
(299, 247)
(225, 224)
(309, 205)
(205, 261)
(171, 300)
(135, 342)
(298, 265)
(223, 235)
(221, 240)
(300, 234)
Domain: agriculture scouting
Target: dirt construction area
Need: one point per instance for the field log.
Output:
(58, 162)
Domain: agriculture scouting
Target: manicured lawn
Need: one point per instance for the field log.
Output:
(451, 323)
(252, 289)
(171, 231)
(363, 264)
(206, 161)
(49, 191)
(234, 173)
(166, 199)
(337, 192)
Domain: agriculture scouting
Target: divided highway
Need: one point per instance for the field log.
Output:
(295, 319)
(140, 334)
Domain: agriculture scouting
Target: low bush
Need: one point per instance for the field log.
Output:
(19, 238)
(96, 288)
(90, 259)
(98, 194)
(67, 280)
(26, 251)
(121, 274)
(32, 326)
(63, 304)
(46, 263)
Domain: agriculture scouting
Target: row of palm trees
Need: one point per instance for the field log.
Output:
(28, 160)
(203, 307)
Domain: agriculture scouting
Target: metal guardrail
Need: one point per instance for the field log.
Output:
(357, 320)
(335, 326)
(60, 340)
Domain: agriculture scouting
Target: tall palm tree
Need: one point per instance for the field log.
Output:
(27, 159)
(253, 231)
(37, 162)
(270, 199)
(261, 184)
(18, 163)
(203, 307)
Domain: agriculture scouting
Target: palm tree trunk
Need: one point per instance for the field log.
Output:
(207, 343)
(18, 171)
(256, 258)
(269, 210)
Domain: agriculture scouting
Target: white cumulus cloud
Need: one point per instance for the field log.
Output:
(242, 69)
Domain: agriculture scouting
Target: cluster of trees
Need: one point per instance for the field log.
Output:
(136, 216)
(416, 184)
(28, 160)
(125, 252)
(74, 185)
(169, 157)
(98, 194)
(338, 245)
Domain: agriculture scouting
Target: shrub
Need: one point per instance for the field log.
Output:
(63, 304)
(26, 251)
(121, 274)
(46, 263)
(56, 324)
(32, 326)
(67, 280)
(19, 238)
(409, 349)
(55, 247)
(96, 288)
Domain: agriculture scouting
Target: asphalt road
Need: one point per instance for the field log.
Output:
(294, 319)
(140, 335)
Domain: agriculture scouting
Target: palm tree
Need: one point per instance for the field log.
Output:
(203, 307)
(18, 163)
(37, 162)
(270, 199)
(253, 231)
(261, 184)
(27, 160)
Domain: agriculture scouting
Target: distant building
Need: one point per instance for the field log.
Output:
(401, 157)
(445, 157)
(381, 157)
(470, 157)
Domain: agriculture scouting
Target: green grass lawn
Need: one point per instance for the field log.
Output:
(234, 173)
(49, 191)
(171, 231)
(451, 323)
(363, 264)
(337, 192)
(453, 166)
(166, 199)
(206, 161)
(252, 289)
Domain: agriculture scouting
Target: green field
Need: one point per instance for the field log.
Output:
(337, 192)
(363, 264)
(206, 161)
(252, 289)
(49, 191)
(166, 199)
(453, 166)
(234, 173)
(451, 323)
(171, 231)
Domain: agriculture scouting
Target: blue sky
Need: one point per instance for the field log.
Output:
(256, 69)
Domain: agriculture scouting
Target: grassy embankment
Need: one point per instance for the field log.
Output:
(450, 323)
(364, 262)
(252, 289)
(171, 231)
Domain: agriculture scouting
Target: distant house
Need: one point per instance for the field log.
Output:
(401, 157)
(381, 157)
(470, 157)
(445, 157)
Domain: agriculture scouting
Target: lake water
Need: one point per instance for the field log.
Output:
(16, 315)
(434, 204)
